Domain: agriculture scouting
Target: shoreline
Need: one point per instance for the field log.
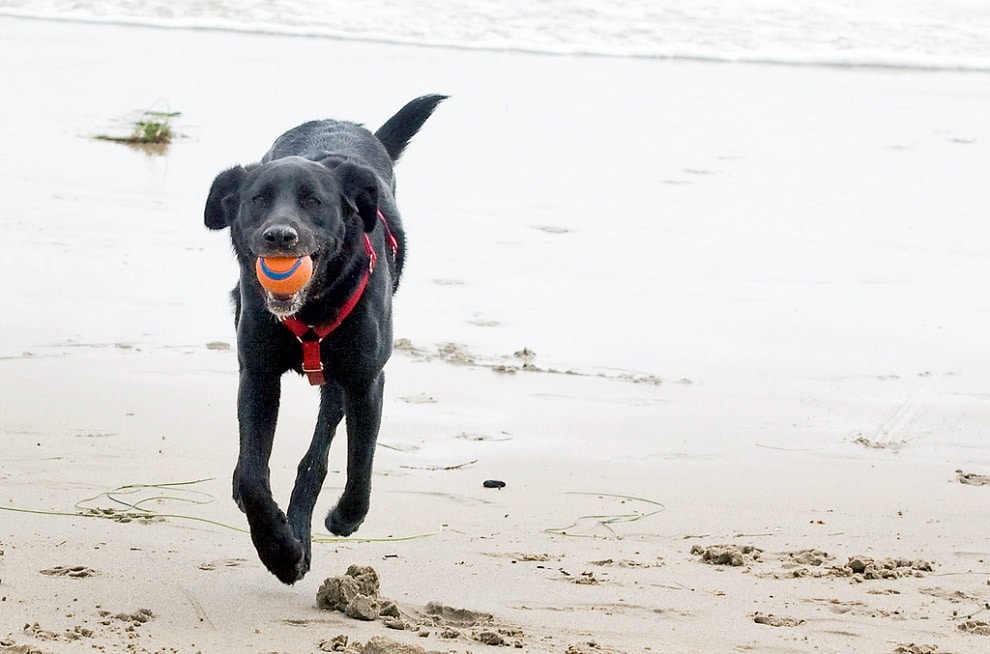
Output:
(951, 65)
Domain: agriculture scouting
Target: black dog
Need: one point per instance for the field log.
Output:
(324, 189)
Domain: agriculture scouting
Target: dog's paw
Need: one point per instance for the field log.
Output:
(305, 538)
(284, 556)
(300, 569)
(291, 575)
(342, 525)
(289, 563)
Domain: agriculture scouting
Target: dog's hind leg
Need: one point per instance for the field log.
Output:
(313, 466)
(364, 415)
(257, 410)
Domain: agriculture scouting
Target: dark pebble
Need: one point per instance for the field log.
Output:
(494, 483)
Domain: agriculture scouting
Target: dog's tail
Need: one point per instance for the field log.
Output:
(400, 128)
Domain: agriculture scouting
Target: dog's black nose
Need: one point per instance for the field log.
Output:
(281, 236)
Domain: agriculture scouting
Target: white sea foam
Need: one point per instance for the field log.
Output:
(932, 34)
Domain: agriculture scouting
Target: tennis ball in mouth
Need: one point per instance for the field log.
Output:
(284, 275)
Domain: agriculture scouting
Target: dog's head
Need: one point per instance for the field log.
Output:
(293, 207)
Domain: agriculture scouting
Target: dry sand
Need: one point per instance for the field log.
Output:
(719, 329)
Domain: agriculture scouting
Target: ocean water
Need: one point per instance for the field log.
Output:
(928, 34)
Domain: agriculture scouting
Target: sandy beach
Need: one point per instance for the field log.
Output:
(719, 328)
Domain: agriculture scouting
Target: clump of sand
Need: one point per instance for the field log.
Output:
(731, 555)
(912, 648)
(887, 568)
(814, 563)
(972, 479)
(772, 620)
(376, 645)
(357, 594)
(977, 627)
(807, 557)
(859, 568)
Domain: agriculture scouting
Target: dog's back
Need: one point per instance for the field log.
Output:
(319, 138)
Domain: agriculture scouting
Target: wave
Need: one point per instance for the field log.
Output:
(907, 34)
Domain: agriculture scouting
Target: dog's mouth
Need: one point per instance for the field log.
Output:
(284, 305)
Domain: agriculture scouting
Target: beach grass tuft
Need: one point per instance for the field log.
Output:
(152, 128)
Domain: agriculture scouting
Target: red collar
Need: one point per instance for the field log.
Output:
(310, 336)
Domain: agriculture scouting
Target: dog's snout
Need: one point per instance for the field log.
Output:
(281, 236)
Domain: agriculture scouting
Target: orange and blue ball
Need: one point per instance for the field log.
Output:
(284, 275)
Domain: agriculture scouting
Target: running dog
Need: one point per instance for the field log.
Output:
(325, 190)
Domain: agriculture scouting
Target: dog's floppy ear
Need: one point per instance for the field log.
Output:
(359, 191)
(221, 204)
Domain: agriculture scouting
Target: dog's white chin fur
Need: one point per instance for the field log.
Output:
(283, 308)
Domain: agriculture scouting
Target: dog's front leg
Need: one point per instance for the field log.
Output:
(257, 411)
(313, 466)
(364, 415)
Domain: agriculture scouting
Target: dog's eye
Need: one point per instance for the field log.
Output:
(259, 200)
(309, 202)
